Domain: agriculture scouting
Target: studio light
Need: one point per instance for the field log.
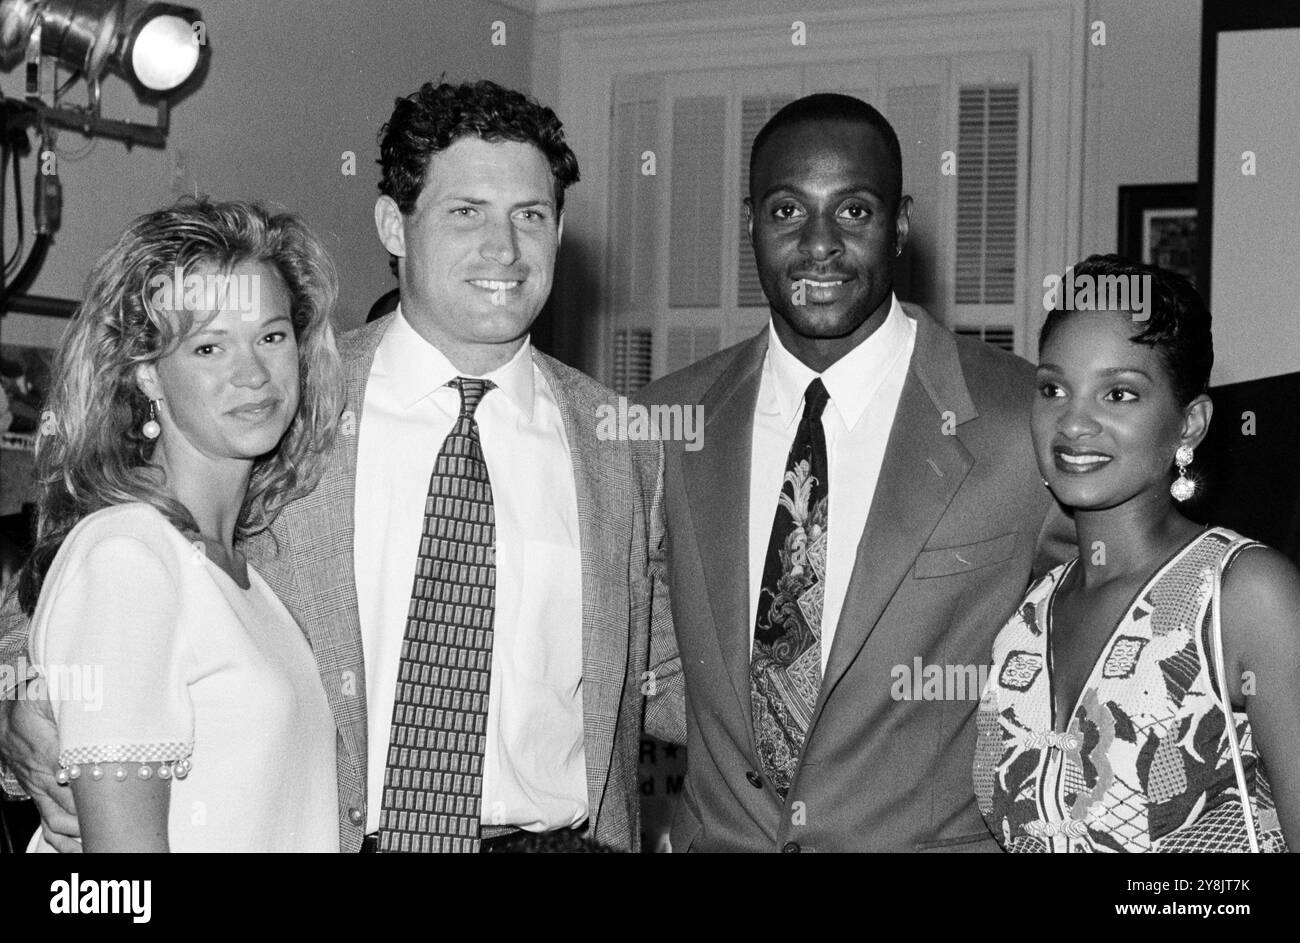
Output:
(157, 48)
(78, 34)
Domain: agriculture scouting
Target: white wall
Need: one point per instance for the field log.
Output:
(292, 85)
(1255, 214)
(1141, 106)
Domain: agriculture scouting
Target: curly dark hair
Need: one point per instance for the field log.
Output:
(433, 118)
(1178, 326)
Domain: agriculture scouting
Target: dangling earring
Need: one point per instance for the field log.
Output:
(1183, 487)
(151, 429)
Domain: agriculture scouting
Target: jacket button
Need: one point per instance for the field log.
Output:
(355, 816)
(755, 780)
(791, 848)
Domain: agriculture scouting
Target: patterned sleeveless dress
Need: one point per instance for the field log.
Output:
(1144, 763)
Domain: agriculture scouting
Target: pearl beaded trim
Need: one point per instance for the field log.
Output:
(177, 769)
(171, 759)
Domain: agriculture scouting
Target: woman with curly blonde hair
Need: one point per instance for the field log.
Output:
(196, 393)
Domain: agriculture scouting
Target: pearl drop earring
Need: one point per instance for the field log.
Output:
(151, 429)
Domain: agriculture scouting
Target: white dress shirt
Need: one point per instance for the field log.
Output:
(864, 387)
(534, 767)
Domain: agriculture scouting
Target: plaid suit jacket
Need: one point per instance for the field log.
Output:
(628, 647)
(631, 672)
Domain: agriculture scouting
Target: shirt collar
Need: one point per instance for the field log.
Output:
(851, 381)
(415, 368)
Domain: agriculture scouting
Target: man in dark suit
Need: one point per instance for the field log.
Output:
(861, 520)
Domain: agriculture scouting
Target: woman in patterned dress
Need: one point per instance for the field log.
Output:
(1102, 727)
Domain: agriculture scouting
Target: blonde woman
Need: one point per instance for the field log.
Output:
(195, 394)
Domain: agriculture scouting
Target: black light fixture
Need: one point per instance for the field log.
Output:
(158, 48)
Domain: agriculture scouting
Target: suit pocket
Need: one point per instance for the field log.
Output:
(946, 561)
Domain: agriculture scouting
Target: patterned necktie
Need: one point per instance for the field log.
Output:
(433, 785)
(785, 669)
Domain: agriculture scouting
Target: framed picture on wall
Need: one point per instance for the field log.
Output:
(1157, 225)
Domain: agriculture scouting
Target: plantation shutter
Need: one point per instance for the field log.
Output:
(988, 171)
(755, 110)
(696, 219)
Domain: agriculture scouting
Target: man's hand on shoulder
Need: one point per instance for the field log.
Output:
(29, 749)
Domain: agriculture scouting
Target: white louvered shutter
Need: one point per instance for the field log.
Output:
(689, 344)
(689, 327)
(999, 335)
(633, 349)
(988, 171)
(991, 190)
(696, 220)
(755, 110)
(632, 204)
(633, 257)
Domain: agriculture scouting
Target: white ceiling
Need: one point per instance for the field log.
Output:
(559, 6)
(537, 7)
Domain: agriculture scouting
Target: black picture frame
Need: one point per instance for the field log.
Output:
(1159, 224)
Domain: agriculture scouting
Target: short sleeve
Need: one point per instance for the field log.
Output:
(107, 641)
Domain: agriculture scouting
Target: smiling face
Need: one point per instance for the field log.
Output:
(824, 227)
(229, 389)
(477, 253)
(1106, 422)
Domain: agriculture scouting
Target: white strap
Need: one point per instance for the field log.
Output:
(1230, 722)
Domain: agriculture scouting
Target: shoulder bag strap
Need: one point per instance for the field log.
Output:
(1230, 722)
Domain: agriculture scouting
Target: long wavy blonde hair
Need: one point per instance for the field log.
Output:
(91, 453)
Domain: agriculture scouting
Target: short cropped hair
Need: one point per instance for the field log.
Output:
(1178, 326)
(435, 117)
(829, 106)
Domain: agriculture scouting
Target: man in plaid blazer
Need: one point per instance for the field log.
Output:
(624, 613)
(474, 177)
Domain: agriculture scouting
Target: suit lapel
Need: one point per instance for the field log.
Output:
(331, 620)
(717, 489)
(604, 635)
(924, 465)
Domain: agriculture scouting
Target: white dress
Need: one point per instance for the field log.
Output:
(152, 653)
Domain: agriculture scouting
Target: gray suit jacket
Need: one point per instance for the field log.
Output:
(944, 558)
(627, 638)
(307, 559)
